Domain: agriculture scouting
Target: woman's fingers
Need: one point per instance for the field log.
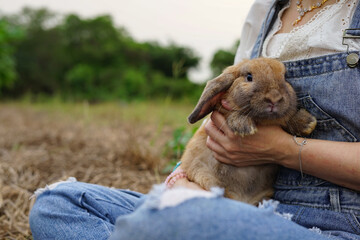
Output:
(214, 132)
(259, 148)
(220, 122)
(214, 146)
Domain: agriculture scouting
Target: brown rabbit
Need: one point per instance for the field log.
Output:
(258, 93)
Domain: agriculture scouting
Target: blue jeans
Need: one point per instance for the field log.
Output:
(75, 210)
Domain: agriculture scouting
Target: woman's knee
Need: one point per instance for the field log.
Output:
(68, 210)
(72, 201)
(200, 217)
(53, 198)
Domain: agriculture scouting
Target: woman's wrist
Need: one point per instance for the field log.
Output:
(175, 176)
(178, 178)
(289, 152)
(292, 152)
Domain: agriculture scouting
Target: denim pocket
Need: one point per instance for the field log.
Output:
(327, 127)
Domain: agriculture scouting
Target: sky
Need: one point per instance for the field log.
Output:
(203, 25)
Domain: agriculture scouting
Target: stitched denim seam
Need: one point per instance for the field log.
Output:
(102, 221)
(122, 206)
(314, 74)
(352, 226)
(347, 134)
(321, 188)
(282, 184)
(344, 209)
(299, 66)
(310, 205)
(356, 221)
(298, 214)
(319, 60)
(321, 63)
(308, 102)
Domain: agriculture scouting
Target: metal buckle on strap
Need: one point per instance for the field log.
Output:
(352, 59)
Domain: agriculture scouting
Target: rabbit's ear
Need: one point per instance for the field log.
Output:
(211, 95)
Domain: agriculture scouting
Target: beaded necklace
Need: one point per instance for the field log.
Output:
(303, 11)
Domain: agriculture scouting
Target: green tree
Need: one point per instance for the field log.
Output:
(223, 58)
(39, 55)
(172, 61)
(94, 56)
(8, 36)
(123, 67)
(95, 60)
(95, 41)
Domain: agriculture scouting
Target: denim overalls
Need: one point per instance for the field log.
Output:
(330, 90)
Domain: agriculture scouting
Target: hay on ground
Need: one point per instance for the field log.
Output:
(37, 148)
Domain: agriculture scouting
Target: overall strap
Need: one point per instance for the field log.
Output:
(355, 21)
(353, 32)
(270, 19)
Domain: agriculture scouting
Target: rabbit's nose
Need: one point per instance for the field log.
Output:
(273, 97)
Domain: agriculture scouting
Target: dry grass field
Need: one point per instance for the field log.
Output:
(117, 145)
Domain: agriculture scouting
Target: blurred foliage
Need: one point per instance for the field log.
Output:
(8, 36)
(223, 58)
(175, 147)
(45, 54)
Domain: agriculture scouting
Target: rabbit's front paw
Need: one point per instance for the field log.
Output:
(302, 124)
(309, 124)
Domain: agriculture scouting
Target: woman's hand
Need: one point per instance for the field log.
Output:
(268, 145)
(271, 144)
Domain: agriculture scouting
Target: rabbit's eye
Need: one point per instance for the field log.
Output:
(249, 77)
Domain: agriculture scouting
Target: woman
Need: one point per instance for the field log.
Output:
(318, 186)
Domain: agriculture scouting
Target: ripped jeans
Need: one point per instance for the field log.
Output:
(75, 210)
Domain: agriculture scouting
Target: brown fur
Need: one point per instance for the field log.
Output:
(267, 100)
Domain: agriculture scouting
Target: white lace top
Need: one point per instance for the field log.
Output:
(320, 36)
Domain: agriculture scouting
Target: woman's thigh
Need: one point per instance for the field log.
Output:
(208, 218)
(76, 210)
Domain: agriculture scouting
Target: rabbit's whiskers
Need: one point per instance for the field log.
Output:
(243, 109)
(222, 125)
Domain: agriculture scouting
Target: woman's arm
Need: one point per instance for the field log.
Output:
(337, 162)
